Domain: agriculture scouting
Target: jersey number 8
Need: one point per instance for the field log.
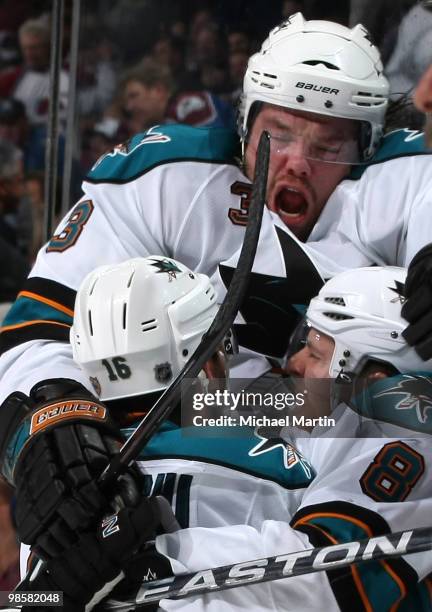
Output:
(393, 473)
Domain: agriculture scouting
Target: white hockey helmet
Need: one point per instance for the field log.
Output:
(361, 310)
(320, 67)
(137, 323)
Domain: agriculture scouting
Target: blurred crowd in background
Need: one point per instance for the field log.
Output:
(141, 63)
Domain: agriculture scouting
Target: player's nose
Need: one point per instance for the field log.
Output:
(295, 159)
(296, 364)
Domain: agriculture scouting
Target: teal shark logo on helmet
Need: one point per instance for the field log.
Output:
(164, 265)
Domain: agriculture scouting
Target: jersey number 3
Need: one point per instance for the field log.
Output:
(393, 473)
(72, 231)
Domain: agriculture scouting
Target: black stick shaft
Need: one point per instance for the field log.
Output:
(282, 566)
(222, 322)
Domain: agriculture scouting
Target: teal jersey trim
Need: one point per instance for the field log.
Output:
(222, 446)
(371, 573)
(26, 309)
(400, 143)
(14, 449)
(164, 144)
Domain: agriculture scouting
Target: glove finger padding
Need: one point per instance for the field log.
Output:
(418, 304)
(56, 455)
(59, 481)
(97, 558)
(417, 309)
(419, 270)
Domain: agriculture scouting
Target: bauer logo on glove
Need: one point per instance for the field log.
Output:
(49, 415)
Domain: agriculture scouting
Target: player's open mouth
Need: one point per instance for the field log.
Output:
(291, 205)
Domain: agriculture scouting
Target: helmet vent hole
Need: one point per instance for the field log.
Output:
(130, 279)
(335, 300)
(211, 294)
(124, 315)
(148, 325)
(365, 98)
(90, 322)
(317, 62)
(336, 316)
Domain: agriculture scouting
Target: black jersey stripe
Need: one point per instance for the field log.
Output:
(183, 500)
(48, 330)
(51, 290)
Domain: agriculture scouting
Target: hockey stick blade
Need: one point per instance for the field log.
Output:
(275, 568)
(221, 324)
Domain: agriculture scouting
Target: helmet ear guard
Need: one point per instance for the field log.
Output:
(319, 67)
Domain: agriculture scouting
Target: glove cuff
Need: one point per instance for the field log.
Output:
(44, 410)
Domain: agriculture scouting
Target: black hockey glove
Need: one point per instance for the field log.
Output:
(53, 446)
(97, 558)
(417, 309)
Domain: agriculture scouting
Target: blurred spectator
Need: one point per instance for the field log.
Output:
(30, 81)
(413, 51)
(9, 547)
(169, 51)
(100, 139)
(96, 78)
(147, 88)
(202, 18)
(237, 63)
(201, 108)
(238, 41)
(13, 264)
(31, 140)
(205, 50)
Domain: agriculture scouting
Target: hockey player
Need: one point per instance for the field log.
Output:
(130, 350)
(179, 191)
(372, 477)
(130, 362)
(241, 499)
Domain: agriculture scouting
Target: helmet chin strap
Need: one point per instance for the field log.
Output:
(343, 388)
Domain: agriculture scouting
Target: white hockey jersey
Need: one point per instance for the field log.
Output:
(177, 190)
(221, 476)
(370, 479)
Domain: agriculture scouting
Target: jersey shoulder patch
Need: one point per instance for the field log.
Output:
(163, 144)
(399, 143)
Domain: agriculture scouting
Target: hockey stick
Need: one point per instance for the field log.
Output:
(221, 324)
(209, 343)
(275, 568)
